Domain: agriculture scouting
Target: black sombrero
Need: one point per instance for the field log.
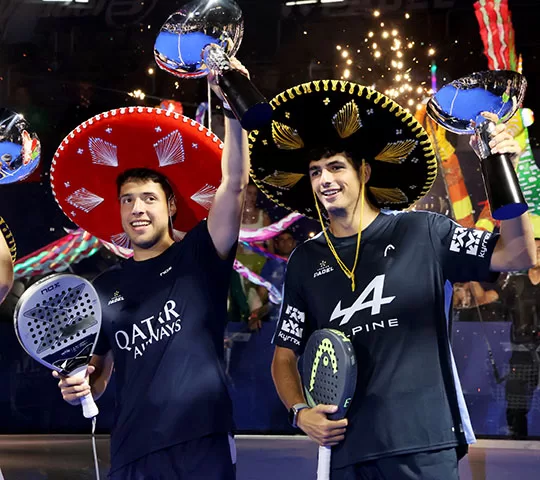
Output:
(341, 116)
(8, 236)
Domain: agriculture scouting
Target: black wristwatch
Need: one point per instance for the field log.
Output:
(293, 413)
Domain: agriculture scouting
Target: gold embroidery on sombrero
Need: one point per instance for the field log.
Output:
(369, 94)
(285, 137)
(8, 236)
(389, 195)
(378, 99)
(397, 152)
(347, 120)
(284, 180)
(306, 87)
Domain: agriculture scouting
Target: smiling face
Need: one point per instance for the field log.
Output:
(145, 212)
(336, 183)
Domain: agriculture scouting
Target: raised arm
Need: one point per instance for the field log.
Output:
(515, 249)
(226, 213)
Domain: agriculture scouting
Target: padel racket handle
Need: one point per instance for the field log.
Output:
(323, 467)
(90, 409)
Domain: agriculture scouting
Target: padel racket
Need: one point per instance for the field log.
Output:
(57, 322)
(329, 377)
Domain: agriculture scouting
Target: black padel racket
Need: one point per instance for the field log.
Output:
(329, 377)
(57, 322)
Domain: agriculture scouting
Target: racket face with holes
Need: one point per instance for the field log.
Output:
(57, 321)
(329, 371)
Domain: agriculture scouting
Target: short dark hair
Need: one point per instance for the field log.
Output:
(144, 175)
(287, 231)
(323, 153)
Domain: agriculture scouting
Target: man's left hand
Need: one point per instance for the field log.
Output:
(502, 140)
(213, 80)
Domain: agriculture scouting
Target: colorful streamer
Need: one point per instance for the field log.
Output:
(271, 231)
(498, 36)
(273, 293)
(58, 256)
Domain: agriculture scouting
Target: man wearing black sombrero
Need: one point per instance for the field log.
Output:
(342, 152)
(140, 178)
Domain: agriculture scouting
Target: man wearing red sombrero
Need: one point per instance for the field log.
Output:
(339, 150)
(139, 178)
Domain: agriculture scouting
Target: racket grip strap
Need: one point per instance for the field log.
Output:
(323, 466)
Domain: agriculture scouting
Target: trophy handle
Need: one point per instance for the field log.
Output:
(247, 103)
(502, 187)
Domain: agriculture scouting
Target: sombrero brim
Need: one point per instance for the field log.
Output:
(87, 163)
(341, 116)
(10, 240)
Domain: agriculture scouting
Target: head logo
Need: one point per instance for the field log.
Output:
(328, 354)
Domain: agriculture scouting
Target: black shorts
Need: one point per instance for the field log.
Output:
(207, 458)
(436, 465)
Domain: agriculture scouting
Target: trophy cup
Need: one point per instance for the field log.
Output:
(457, 107)
(20, 149)
(199, 39)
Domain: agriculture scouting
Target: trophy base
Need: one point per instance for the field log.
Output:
(509, 211)
(502, 188)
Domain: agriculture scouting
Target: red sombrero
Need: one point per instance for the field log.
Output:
(87, 163)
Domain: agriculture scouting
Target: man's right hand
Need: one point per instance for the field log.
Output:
(74, 388)
(314, 422)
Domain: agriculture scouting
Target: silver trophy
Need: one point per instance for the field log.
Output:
(458, 106)
(200, 38)
(20, 149)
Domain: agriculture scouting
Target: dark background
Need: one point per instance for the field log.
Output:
(61, 64)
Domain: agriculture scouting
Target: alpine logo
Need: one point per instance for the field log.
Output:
(116, 298)
(473, 241)
(375, 287)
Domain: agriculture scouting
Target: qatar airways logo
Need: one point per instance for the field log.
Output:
(149, 331)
